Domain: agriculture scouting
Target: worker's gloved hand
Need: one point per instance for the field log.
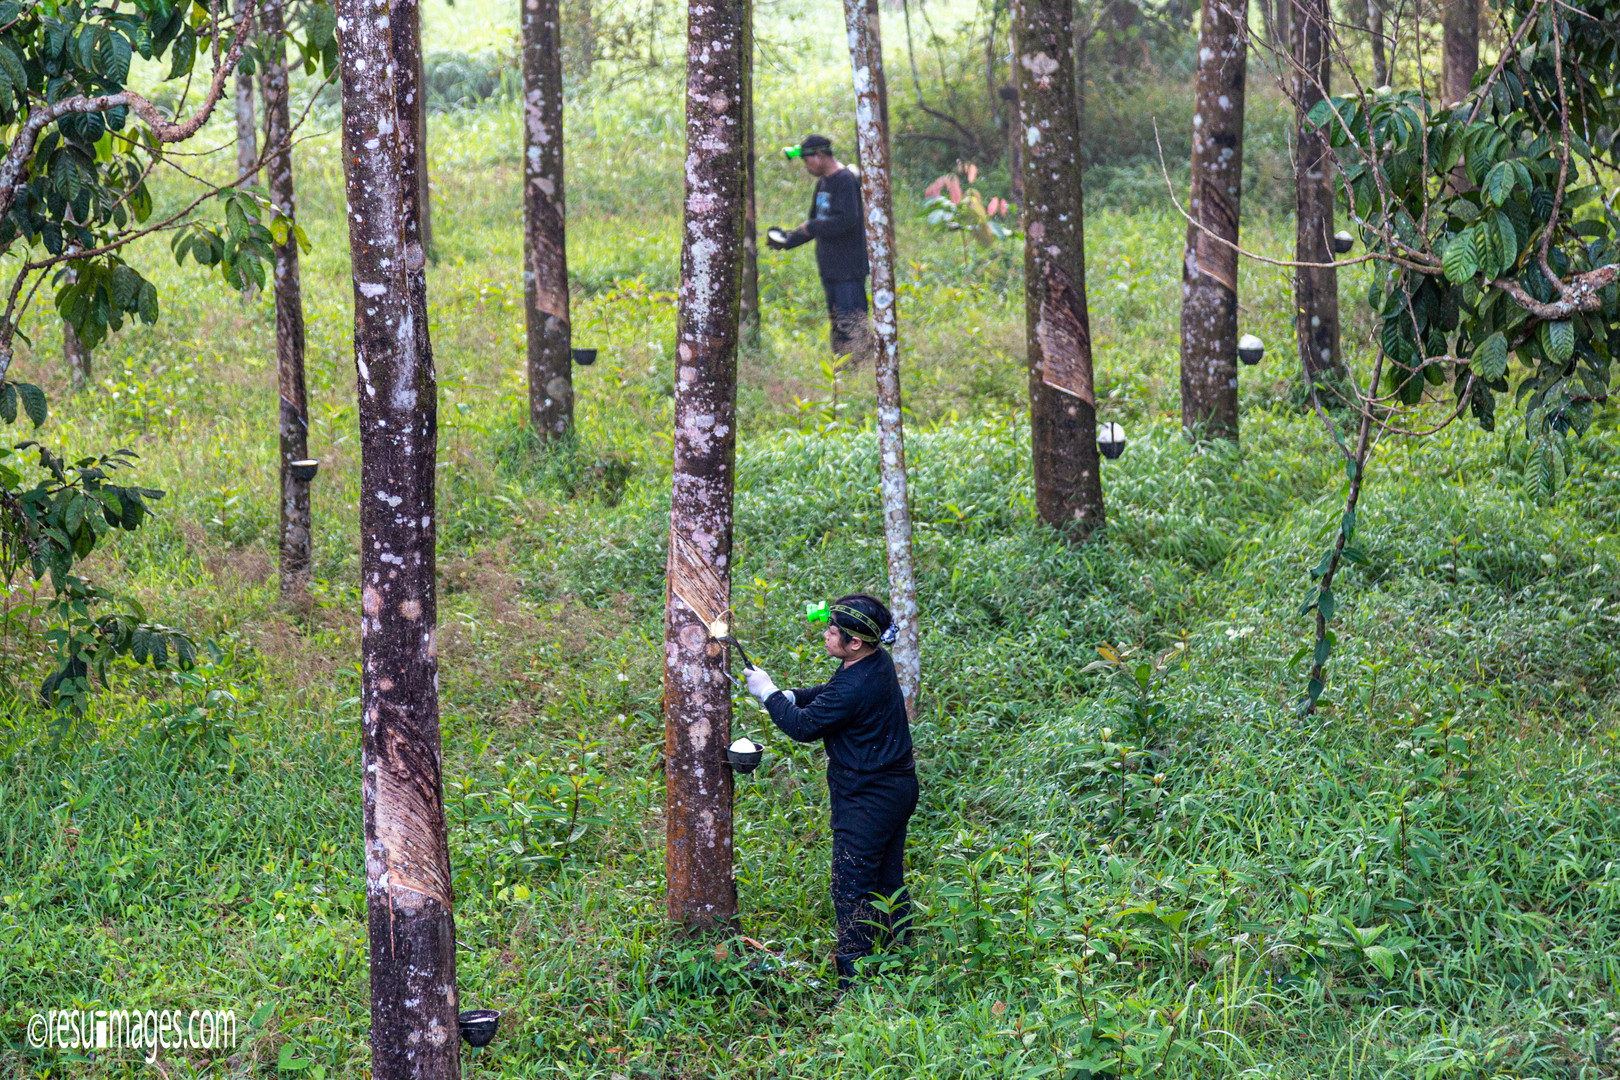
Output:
(760, 684)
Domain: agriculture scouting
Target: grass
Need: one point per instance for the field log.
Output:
(1418, 881)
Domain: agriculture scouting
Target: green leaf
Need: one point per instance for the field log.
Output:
(1509, 240)
(1324, 649)
(8, 402)
(1461, 261)
(1491, 357)
(289, 1060)
(1381, 958)
(1326, 604)
(147, 303)
(33, 402)
(1499, 183)
(1560, 342)
(126, 287)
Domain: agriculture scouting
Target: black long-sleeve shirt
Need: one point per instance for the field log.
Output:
(859, 714)
(837, 226)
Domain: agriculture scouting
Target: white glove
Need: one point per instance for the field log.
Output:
(760, 684)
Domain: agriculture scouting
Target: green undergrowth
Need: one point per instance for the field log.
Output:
(1151, 868)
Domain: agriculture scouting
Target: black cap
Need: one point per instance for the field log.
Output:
(816, 144)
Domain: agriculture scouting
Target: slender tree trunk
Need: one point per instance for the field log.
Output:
(874, 29)
(1015, 142)
(545, 273)
(247, 130)
(702, 892)
(296, 529)
(1316, 291)
(1375, 33)
(1460, 25)
(1062, 402)
(1209, 327)
(73, 351)
(750, 270)
(408, 883)
(424, 200)
(873, 136)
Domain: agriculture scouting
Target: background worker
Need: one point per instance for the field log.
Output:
(860, 716)
(836, 225)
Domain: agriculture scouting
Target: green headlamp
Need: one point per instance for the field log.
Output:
(817, 611)
(793, 153)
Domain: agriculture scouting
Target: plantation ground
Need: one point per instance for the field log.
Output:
(1417, 881)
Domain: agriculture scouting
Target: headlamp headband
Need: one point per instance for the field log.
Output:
(871, 633)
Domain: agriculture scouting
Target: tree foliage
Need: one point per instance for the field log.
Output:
(1496, 241)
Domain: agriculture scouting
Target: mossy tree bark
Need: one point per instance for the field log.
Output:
(408, 884)
(545, 255)
(702, 891)
(296, 529)
(872, 134)
(1316, 289)
(1062, 401)
(1209, 324)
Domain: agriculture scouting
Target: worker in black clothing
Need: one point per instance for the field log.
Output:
(860, 716)
(836, 225)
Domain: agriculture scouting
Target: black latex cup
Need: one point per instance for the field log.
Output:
(745, 763)
(584, 357)
(478, 1025)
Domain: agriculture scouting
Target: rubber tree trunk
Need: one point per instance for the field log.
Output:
(545, 272)
(702, 892)
(750, 271)
(296, 529)
(1316, 290)
(247, 131)
(1062, 401)
(872, 134)
(1375, 34)
(1460, 26)
(411, 926)
(73, 351)
(1209, 311)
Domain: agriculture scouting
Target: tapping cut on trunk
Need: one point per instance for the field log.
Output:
(701, 894)
(1063, 415)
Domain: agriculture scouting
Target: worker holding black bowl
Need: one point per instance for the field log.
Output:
(859, 714)
(836, 225)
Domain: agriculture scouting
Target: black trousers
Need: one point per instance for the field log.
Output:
(870, 812)
(846, 308)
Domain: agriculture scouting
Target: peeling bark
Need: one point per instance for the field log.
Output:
(702, 891)
(409, 901)
(1316, 289)
(247, 134)
(872, 133)
(1459, 21)
(1209, 326)
(1062, 409)
(545, 254)
(296, 529)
